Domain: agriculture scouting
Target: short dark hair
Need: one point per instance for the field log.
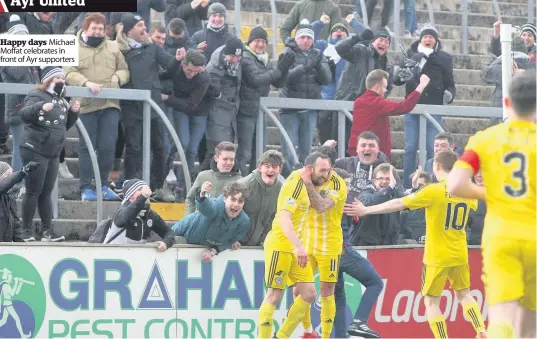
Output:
(330, 152)
(425, 176)
(446, 158)
(157, 27)
(375, 77)
(522, 93)
(386, 168)
(312, 158)
(234, 189)
(368, 135)
(177, 26)
(225, 146)
(272, 157)
(445, 136)
(194, 57)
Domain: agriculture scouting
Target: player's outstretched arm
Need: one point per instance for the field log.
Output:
(358, 209)
(460, 183)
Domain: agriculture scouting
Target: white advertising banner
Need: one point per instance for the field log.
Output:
(136, 292)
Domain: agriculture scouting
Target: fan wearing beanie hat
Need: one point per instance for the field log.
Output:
(258, 32)
(430, 33)
(216, 14)
(131, 27)
(304, 29)
(232, 53)
(16, 26)
(528, 33)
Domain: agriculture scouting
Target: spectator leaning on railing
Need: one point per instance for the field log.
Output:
(263, 187)
(101, 65)
(144, 59)
(134, 220)
(258, 74)
(226, 77)
(308, 73)
(47, 116)
(219, 223)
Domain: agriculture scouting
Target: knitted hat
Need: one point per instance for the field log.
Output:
(130, 20)
(258, 32)
(304, 29)
(16, 26)
(529, 28)
(131, 186)
(339, 25)
(216, 8)
(429, 30)
(49, 72)
(382, 33)
(4, 167)
(234, 46)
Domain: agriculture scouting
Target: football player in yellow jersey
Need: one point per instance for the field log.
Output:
(323, 239)
(505, 154)
(446, 252)
(286, 259)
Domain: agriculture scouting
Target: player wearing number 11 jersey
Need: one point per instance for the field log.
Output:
(505, 155)
(446, 251)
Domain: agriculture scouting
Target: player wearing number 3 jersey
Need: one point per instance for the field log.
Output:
(446, 251)
(505, 154)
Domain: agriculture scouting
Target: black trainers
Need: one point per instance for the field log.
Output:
(50, 236)
(359, 328)
(28, 235)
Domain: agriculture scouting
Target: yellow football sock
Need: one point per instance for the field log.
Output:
(294, 316)
(438, 326)
(474, 316)
(306, 322)
(266, 316)
(328, 313)
(500, 330)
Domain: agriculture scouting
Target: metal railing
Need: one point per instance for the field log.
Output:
(114, 94)
(464, 27)
(426, 113)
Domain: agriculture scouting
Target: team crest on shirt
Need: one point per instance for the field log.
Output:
(279, 281)
(291, 202)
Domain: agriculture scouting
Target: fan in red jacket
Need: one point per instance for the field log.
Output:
(372, 111)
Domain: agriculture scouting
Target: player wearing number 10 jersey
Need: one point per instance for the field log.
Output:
(505, 155)
(446, 251)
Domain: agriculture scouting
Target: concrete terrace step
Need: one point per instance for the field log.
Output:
(441, 17)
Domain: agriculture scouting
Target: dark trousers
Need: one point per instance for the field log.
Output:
(133, 132)
(358, 267)
(4, 127)
(39, 185)
(102, 130)
(246, 126)
(384, 16)
(120, 142)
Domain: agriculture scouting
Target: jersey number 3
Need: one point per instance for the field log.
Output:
(519, 174)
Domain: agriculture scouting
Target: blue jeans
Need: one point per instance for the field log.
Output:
(412, 135)
(358, 267)
(300, 126)
(190, 129)
(410, 15)
(102, 127)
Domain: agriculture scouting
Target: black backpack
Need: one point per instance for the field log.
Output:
(102, 230)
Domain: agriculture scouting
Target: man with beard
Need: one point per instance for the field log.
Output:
(102, 65)
(438, 66)
(219, 223)
(362, 57)
(263, 190)
(215, 34)
(134, 219)
(226, 76)
(352, 263)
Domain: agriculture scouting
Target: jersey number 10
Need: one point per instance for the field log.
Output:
(452, 215)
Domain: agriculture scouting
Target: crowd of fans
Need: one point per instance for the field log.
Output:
(209, 84)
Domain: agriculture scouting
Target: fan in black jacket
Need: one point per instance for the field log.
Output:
(47, 116)
(10, 228)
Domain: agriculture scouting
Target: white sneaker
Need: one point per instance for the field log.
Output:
(63, 171)
(171, 178)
